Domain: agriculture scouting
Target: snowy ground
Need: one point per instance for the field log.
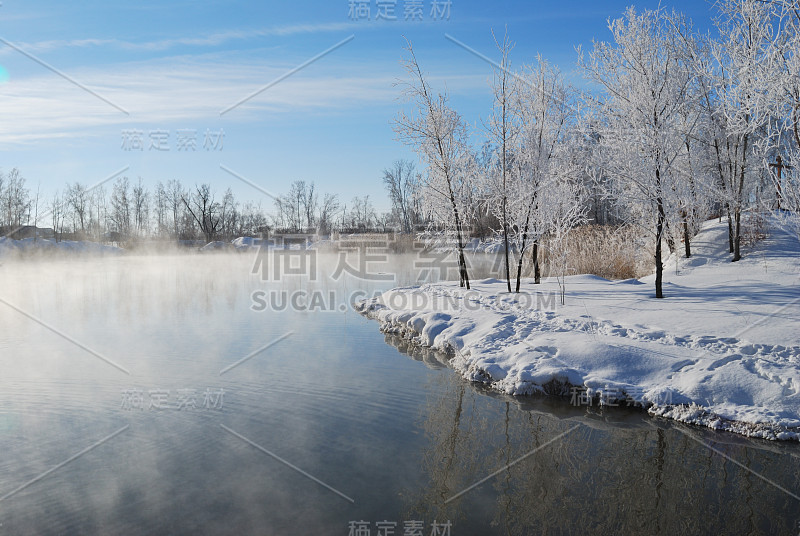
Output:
(721, 350)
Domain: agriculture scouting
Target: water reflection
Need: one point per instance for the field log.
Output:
(620, 472)
(431, 358)
(335, 400)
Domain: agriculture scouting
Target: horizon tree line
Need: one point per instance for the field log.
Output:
(127, 212)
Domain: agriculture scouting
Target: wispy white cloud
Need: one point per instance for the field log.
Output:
(212, 40)
(5, 16)
(174, 90)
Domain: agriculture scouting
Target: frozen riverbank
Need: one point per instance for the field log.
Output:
(721, 350)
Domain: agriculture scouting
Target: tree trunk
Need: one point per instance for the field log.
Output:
(659, 234)
(737, 238)
(686, 213)
(686, 244)
(723, 184)
(730, 228)
(670, 242)
(462, 262)
(537, 275)
(521, 258)
(505, 239)
(524, 244)
(795, 123)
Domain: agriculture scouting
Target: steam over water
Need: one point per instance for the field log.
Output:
(119, 376)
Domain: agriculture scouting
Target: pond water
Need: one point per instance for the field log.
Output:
(145, 395)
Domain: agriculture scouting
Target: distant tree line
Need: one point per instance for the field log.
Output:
(127, 211)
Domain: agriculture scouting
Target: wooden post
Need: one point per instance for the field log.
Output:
(780, 167)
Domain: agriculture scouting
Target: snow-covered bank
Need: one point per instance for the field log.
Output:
(721, 350)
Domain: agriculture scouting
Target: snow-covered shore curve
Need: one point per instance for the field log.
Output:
(722, 351)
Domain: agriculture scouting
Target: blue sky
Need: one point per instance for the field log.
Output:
(174, 66)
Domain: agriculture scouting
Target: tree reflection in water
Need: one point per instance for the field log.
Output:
(620, 472)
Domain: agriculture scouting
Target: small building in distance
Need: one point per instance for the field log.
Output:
(31, 231)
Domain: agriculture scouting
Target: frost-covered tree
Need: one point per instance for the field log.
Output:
(161, 205)
(229, 214)
(688, 199)
(502, 129)
(14, 201)
(175, 194)
(647, 87)
(327, 211)
(790, 63)
(709, 146)
(204, 210)
(546, 113)
(439, 136)
(361, 216)
(98, 211)
(121, 207)
(34, 208)
(309, 203)
(296, 209)
(252, 221)
(140, 204)
(565, 209)
(78, 199)
(782, 145)
(695, 174)
(402, 185)
(746, 54)
(57, 214)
